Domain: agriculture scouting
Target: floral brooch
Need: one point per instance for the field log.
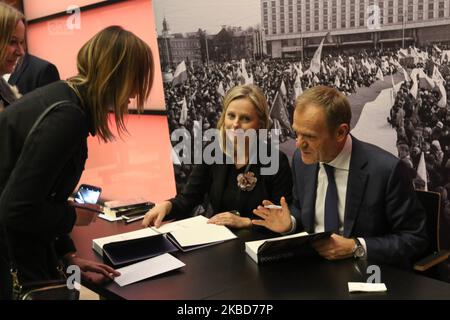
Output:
(246, 181)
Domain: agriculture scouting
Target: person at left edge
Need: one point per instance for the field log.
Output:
(37, 178)
(12, 38)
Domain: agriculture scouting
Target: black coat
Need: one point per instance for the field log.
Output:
(36, 179)
(32, 73)
(380, 204)
(211, 180)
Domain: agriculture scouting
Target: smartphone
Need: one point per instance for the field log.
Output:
(88, 194)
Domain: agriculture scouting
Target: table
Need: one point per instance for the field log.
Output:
(224, 271)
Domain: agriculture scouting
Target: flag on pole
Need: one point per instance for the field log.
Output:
(380, 75)
(180, 75)
(337, 82)
(279, 112)
(437, 76)
(283, 88)
(315, 62)
(297, 87)
(244, 71)
(422, 170)
(220, 89)
(184, 112)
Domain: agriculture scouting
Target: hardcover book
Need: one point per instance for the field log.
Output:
(299, 244)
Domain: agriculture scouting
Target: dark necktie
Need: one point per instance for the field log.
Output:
(331, 207)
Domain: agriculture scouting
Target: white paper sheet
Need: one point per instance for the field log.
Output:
(366, 287)
(109, 218)
(202, 234)
(147, 268)
(181, 224)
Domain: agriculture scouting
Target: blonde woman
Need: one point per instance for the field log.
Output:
(12, 37)
(234, 189)
(37, 177)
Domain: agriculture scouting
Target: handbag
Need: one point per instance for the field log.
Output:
(56, 289)
(42, 290)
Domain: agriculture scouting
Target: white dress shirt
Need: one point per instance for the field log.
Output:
(341, 166)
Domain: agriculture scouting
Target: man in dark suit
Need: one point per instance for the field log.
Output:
(32, 72)
(356, 190)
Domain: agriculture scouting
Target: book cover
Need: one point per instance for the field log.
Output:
(299, 244)
(122, 253)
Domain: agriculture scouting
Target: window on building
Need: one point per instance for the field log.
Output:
(430, 14)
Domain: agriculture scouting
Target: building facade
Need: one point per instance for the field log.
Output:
(296, 27)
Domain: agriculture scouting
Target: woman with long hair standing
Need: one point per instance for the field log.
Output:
(43, 148)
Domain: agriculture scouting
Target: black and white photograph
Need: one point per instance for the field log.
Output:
(390, 58)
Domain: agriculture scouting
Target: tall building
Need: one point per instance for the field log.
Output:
(296, 27)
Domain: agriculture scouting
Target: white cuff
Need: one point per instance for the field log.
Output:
(293, 227)
(363, 243)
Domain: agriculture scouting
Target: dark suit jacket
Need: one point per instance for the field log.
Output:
(37, 178)
(211, 180)
(33, 72)
(380, 206)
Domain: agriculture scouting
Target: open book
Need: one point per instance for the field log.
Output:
(298, 244)
(185, 235)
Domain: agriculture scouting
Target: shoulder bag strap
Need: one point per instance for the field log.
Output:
(12, 261)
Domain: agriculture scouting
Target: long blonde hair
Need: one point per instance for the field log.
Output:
(113, 66)
(9, 17)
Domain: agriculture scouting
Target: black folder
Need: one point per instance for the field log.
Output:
(290, 247)
(122, 253)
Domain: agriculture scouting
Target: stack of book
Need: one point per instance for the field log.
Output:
(129, 210)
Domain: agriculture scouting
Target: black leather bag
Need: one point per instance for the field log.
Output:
(44, 290)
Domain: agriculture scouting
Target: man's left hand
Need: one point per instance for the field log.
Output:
(335, 247)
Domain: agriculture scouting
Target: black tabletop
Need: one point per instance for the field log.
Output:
(224, 271)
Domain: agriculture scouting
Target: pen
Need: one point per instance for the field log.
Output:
(272, 206)
(134, 219)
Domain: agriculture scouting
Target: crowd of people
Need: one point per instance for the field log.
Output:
(421, 117)
(206, 85)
